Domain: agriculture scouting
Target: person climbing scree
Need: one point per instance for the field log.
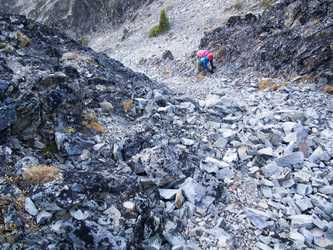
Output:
(203, 58)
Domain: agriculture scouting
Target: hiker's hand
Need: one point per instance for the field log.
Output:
(212, 71)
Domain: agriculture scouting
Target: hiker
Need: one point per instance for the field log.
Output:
(203, 58)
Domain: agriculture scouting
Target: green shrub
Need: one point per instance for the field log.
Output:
(238, 5)
(267, 4)
(162, 27)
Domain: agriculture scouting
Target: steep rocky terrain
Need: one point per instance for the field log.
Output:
(75, 18)
(97, 156)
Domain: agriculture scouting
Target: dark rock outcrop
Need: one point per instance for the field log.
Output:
(77, 18)
(293, 37)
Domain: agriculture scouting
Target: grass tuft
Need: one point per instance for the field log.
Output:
(41, 174)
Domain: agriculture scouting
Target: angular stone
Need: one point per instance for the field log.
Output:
(44, 217)
(288, 127)
(242, 153)
(225, 240)
(323, 242)
(325, 140)
(270, 169)
(30, 207)
(221, 142)
(288, 183)
(187, 142)
(129, 206)
(79, 214)
(164, 164)
(193, 190)
(212, 165)
(229, 134)
(301, 220)
(179, 200)
(282, 174)
(291, 159)
(301, 177)
(328, 190)
(296, 236)
(174, 233)
(316, 155)
(304, 204)
(230, 156)
(225, 172)
(153, 243)
(308, 236)
(113, 213)
(303, 189)
(263, 246)
(167, 194)
(311, 113)
(257, 217)
(266, 152)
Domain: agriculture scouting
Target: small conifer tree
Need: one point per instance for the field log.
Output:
(162, 27)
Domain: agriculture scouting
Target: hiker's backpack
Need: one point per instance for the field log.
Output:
(202, 53)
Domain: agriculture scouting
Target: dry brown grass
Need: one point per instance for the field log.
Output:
(329, 89)
(41, 174)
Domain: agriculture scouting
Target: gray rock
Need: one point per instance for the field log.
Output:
(257, 217)
(311, 113)
(187, 142)
(270, 169)
(304, 204)
(266, 152)
(326, 190)
(221, 142)
(44, 217)
(30, 207)
(167, 194)
(164, 164)
(230, 156)
(316, 155)
(308, 236)
(167, 55)
(304, 189)
(69, 144)
(78, 214)
(8, 116)
(225, 240)
(174, 233)
(11, 216)
(301, 177)
(193, 191)
(294, 235)
(212, 165)
(329, 233)
(291, 159)
(152, 243)
(325, 140)
(226, 172)
(323, 242)
(301, 220)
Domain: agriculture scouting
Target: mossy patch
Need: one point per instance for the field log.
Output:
(84, 42)
(266, 83)
(98, 127)
(23, 40)
(127, 104)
